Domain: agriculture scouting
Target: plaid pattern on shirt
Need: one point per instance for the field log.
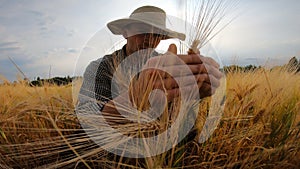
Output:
(96, 86)
(97, 80)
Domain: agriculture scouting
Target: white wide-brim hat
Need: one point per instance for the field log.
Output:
(149, 15)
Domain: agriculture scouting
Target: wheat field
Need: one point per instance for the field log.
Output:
(260, 128)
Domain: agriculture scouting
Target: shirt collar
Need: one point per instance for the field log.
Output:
(123, 50)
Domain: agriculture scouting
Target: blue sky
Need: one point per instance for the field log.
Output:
(49, 36)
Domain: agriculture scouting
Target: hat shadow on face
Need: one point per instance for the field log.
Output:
(137, 28)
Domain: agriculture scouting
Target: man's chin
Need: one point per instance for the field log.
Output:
(146, 47)
(145, 50)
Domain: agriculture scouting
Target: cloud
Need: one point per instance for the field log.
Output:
(61, 63)
(2, 29)
(70, 31)
(71, 50)
(35, 13)
(9, 47)
(5, 44)
(42, 20)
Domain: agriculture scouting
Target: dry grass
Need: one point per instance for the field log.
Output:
(259, 129)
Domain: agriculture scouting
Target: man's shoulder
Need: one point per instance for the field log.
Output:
(106, 58)
(105, 61)
(116, 54)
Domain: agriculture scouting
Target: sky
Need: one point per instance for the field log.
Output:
(60, 37)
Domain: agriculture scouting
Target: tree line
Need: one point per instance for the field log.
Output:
(292, 66)
(55, 80)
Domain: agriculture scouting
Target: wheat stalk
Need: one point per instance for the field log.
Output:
(205, 19)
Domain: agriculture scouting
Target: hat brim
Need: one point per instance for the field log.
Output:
(117, 28)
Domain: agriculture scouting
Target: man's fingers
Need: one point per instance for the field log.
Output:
(191, 59)
(172, 93)
(212, 70)
(210, 61)
(193, 51)
(206, 85)
(170, 82)
(184, 70)
(209, 79)
(207, 90)
(170, 59)
(173, 49)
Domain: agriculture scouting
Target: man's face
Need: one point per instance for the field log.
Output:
(140, 36)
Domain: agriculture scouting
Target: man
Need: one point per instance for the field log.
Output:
(143, 31)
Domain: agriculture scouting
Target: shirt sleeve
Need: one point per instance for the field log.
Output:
(95, 91)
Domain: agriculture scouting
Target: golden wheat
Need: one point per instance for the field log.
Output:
(259, 128)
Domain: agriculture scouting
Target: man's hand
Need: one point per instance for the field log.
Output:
(205, 71)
